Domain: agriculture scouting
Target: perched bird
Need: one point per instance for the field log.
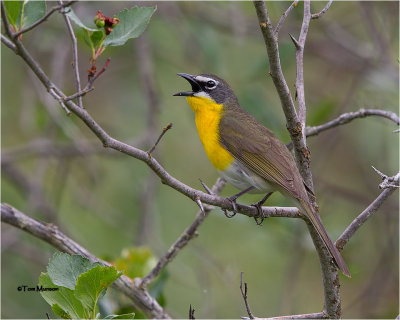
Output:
(247, 154)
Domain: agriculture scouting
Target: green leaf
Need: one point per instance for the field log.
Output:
(132, 24)
(92, 284)
(58, 311)
(121, 316)
(96, 38)
(13, 10)
(64, 269)
(135, 261)
(64, 299)
(71, 14)
(32, 11)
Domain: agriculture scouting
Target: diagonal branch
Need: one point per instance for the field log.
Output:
(183, 239)
(284, 15)
(368, 212)
(325, 9)
(44, 18)
(50, 234)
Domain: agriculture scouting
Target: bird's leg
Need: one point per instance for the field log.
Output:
(233, 199)
(258, 205)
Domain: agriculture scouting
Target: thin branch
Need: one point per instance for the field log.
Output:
(165, 129)
(319, 14)
(78, 94)
(317, 315)
(75, 63)
(8, 43)
(51, 234)
(365, 215)
(98, 74)
(244, 295)
(284, 15)
(44, 18)
(183, 239)
(347, 117)
(388, 182)
(191, 313)
(60, 100)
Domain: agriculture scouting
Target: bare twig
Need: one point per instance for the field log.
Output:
(191, 313)
(165, 129)
(363, 216)
(388, 182)
(244, 295)
(317, 315)
(347, 117)
(75, 62)
(8, 43)
(60, 100)
(284, 15)
(92, 79)
(50, 234)
(300, 70)
(183, 239)
(44, 18)
(78, 94)
(325, 9)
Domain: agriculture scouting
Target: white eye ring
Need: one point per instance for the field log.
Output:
(211, 84)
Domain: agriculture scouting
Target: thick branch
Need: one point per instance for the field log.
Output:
(350, 116)
(50, 234)
(292, 121)
(183, 239)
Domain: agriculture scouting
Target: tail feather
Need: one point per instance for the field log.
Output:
(317, 223)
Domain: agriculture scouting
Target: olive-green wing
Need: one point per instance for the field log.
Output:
(261, 151)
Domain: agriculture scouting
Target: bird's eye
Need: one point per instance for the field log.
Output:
(210, 84)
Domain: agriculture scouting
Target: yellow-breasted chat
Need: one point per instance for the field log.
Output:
(247, 154)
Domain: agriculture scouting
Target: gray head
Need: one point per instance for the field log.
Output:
(208, 86)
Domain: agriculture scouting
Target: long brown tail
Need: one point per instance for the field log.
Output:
(317, 223)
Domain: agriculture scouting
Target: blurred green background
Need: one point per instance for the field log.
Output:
(55, 170)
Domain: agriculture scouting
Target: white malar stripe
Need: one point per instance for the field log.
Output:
(202, 94)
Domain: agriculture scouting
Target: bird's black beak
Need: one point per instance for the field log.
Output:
(195, 85)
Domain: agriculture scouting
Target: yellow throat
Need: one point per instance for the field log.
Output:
(208, 114)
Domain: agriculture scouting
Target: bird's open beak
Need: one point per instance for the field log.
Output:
(195, 85)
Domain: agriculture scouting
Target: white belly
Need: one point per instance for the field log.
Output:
(242, 178)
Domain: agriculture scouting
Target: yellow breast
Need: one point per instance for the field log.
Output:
(208, 114)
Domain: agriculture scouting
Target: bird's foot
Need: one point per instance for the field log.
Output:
(260, 217)
(234, 205)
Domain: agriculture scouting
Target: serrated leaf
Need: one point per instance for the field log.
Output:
(58, 311)
(132, 24)
(63, 297)
(64, 269)
(32, 11)
(92, 284)
(121, 316)
(13, 10)
(71, 14)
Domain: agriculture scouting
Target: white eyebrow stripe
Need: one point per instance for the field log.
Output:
(205, 79)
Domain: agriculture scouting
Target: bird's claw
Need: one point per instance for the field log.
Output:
(227, 214)
(235, 208)
(260, 217)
